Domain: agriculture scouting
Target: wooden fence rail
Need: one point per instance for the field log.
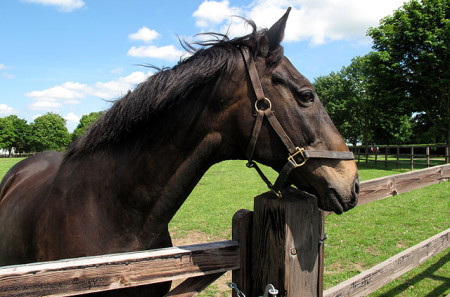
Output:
(100, 273)
(383, 187)
(371, 280)
(203, 263)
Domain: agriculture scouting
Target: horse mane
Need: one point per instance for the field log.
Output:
(137, 110)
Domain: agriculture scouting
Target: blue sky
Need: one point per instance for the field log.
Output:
(72, 56)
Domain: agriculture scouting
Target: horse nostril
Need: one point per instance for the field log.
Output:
(356, 187)
(355, 191)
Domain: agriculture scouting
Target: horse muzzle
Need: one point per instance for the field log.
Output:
(339, 200)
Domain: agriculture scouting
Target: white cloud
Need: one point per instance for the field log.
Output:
(54, 98)
(45, 105)
(318, 21)
(62, 5)
(72, 118)
(70, 93)
(7, 75)
(117, 70)
(4, 74)
(144, 34)
(115, 88)
(211, 13)
(168, 52)
(6, 110)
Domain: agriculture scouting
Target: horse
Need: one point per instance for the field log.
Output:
(116, 188)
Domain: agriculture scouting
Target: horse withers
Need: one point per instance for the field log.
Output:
(117, 187)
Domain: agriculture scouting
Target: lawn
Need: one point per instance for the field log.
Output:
(6, 164)
(357, 240)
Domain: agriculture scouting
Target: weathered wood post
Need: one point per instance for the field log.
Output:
(447, 154)
(242, 233)
(281, 243)
(388, 150)
(286, 244)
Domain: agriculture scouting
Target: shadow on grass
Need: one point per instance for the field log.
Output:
(427, 273)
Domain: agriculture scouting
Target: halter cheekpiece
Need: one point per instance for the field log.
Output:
(297, 156)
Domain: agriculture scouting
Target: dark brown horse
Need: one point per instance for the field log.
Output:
(117, 188)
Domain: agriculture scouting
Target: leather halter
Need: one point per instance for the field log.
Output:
(297, 156)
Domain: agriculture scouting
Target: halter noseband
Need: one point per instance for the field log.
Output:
(297, 156)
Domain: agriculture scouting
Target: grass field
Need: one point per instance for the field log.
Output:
(357, 240)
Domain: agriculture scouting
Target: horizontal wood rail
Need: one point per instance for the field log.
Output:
(385, 272)
(383, 187)
(100, 273)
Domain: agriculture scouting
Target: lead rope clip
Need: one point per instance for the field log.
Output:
(269, 291)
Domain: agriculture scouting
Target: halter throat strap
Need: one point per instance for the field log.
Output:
(297, 156)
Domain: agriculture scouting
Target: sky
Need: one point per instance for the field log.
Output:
(73, 57)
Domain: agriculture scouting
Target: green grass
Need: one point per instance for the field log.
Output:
(6, 164)
(357, 240)
(227, 187)
(374, 232)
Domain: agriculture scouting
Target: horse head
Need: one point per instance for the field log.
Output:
(283, 124)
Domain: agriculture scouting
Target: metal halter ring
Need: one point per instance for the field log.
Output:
(263, 104)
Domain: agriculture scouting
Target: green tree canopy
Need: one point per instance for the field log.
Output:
(358, 108)
(85, 122)
(412, 60)
(340, 101)
(21, 132)
(49, 132)
(7, 135)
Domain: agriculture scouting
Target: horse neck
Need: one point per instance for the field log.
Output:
(163, 168)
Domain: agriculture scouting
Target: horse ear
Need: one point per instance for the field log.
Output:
(276, 33)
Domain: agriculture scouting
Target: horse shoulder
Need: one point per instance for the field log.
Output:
(31, 171)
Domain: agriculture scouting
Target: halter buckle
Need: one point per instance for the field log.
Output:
(301, 152)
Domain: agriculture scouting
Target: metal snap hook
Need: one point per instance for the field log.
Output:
(270, 289)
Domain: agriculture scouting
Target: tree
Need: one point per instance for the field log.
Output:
(22, 134)
(339, 100)
(49, 132)
(361, 110)
(7, 135)
(85, 122)
(413, 53)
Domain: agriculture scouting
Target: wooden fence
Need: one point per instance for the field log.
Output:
(279, 243)
(416, 156)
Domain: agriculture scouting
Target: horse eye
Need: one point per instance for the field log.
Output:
(306, 96)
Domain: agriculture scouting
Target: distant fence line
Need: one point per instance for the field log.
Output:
(413, 155)
(21, 155)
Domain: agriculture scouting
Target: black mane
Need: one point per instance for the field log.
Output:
(168, 87)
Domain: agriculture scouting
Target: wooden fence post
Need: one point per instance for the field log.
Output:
(398, 157)
(286, 235)
(242, 233)
(387, 151)
(447, 154)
